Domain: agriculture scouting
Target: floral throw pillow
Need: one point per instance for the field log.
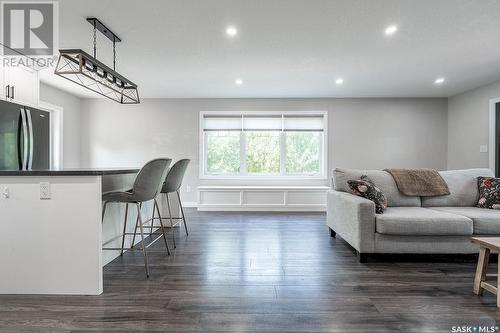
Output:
(489, 192)
(366, 188)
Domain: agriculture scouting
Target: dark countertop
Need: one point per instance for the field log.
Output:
(70, 172)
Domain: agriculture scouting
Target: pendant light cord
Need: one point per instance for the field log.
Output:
(95, 46)
(95, 40)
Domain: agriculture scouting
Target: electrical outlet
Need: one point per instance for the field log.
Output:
(45, 190)
(5, 192)
(188, 188)
(483, 149)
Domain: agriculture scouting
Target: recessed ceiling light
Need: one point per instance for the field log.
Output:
(439, 80)
(339, 81)
(391, 30)
(238, 82)
(231, 31)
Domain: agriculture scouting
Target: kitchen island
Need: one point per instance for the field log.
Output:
(52, 232)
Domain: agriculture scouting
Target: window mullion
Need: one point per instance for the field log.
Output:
(243, 153)
(323, 155)
(205, 153)
(282, 153)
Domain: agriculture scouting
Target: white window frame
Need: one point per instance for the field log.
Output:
(323, 158)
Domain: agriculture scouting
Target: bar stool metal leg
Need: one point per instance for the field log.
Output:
(162, 228)
(152, 222)
(171, 223)
(182, 212)
(135, 229)
(104, 209)
(124, 228)
(143, 244)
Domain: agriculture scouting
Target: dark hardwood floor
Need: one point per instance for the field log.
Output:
(262, 272)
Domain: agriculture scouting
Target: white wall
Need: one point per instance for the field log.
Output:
(468, 121)
(363, 133)
(71, 122)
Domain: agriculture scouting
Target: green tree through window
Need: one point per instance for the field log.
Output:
(263, 152)
(303, 152)
(223, 152)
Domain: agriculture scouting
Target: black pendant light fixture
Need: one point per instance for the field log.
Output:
(85, 70)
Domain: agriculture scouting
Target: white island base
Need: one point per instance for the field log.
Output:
(54, 246)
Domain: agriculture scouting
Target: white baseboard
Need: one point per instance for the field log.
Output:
(202, 208)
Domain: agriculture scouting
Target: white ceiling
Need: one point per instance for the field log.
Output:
(291, 48)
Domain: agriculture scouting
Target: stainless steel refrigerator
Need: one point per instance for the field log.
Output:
(24, 137)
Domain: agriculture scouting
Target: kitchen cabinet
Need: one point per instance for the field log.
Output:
(19, 84)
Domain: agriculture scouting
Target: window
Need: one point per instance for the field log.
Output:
(266, 144)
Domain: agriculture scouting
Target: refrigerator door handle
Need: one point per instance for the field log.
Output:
(25, 140)
(31, 143)
(7, 91)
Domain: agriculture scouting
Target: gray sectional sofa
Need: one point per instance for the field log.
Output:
(432, 225)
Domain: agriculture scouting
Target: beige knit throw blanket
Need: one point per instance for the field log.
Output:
(419, 182)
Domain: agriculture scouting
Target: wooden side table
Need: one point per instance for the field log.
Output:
(486, 245)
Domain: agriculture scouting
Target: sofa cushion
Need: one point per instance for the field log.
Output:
(486, 221)
(463, 188)
(382, 179)
(419, 221)
(489, 192)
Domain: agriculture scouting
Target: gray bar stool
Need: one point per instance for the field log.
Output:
(147, 186)
(173, 184)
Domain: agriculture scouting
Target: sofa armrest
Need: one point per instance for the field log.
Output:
(353, 218)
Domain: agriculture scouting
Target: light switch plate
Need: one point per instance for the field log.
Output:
(483, 148)
(44, 190)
